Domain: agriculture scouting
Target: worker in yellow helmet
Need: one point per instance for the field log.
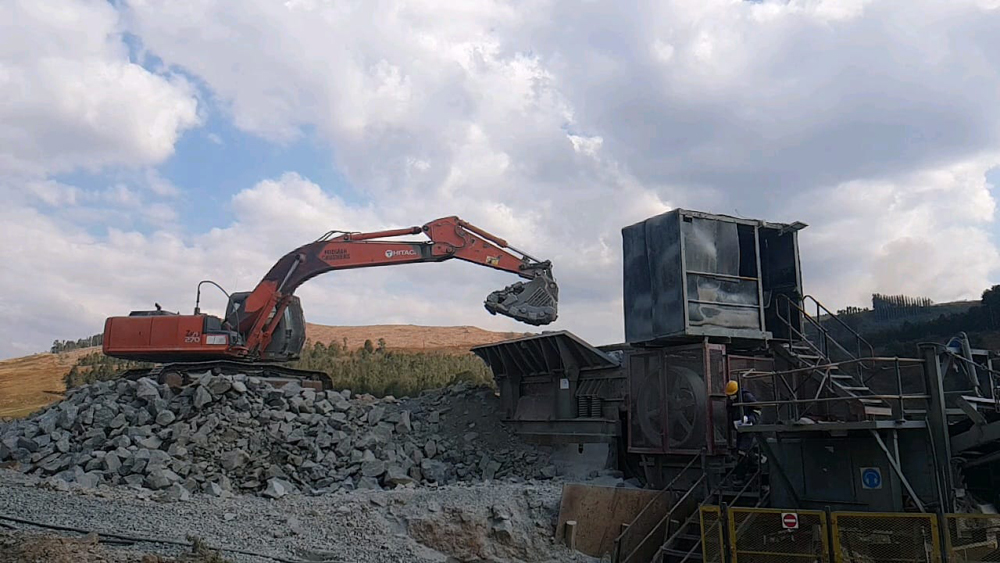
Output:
(741, 415)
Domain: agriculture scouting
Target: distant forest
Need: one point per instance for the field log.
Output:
(977, 321)
(65, 345)
(887, 307)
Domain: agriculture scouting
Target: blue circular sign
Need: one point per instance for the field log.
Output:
(871, 478)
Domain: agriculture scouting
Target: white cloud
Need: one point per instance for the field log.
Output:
(70, 98)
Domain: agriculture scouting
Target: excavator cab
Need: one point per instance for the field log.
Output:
(289, 336)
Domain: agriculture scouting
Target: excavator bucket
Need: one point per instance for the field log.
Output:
(533, 302)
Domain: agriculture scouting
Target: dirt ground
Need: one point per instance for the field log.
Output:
(33, 547)
(29, 383)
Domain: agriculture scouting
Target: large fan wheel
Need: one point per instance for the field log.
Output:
(649, 415)
(686, 407)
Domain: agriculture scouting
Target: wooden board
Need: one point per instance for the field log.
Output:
(599, 513)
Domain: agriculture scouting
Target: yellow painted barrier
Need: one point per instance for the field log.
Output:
(712, 543)
(771, 535)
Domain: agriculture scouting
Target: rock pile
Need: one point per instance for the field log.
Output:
(226, 434)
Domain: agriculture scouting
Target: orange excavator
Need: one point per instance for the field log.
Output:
(265, 327)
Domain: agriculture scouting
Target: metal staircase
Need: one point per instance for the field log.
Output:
(834, 369)
(675, 535)
(684, 544)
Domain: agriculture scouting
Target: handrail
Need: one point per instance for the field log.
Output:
(666, 518)
(654, 501)
(832, 399)
(822, 330)
(689, 520)
(880, 359)
(830, 314)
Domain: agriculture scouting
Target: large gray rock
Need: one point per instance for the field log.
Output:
(174, 493)
(373, 468)
(404, 425)
(233, 459)
(89, 480)
(165, 417)
(158, 459)
(27, 444)
(47, 422)
(146, 390)
(434, 470)
(111, 463)
(277, 488)
(149, 442)
(396, 475)
(219, 386)
(213, 489)
(202, 397)
(118, 421)
(67, 418)
(161, 479)
(103, 416)
(376, 414)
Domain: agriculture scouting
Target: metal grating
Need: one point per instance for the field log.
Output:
(711, 535)
(972, 538)
(886, 537)
(757, 535)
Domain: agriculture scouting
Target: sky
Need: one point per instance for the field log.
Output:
(149, 144)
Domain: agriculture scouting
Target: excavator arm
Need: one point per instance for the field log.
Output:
(533, 302)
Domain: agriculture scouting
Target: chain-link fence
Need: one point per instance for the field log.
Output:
(711, 535)
(885, 537)
(767, 535)
(972, 538)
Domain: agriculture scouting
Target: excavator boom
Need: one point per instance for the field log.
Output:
(266, 324)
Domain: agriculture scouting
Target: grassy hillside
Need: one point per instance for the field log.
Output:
(409, 338)
(31, 382)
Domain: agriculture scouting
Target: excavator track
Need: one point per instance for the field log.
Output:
(181, 373)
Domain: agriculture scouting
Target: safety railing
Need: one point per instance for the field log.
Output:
(712, 538)
(827, 344)
(648, 533)
(753, 483)
(789, 394)
(770, 534)
(886, 537)
(972, 538)
(742, 534)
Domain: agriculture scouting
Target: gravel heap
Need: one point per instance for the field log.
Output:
(223, 434)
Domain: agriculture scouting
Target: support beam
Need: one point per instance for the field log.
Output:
(970, 411)
(899, 471)
(975, 437)
(937, 421)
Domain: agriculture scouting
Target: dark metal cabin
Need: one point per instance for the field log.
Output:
(689, 275)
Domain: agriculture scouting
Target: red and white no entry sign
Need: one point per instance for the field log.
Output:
(789, 520)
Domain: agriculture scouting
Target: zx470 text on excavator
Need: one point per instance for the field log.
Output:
(264, 327)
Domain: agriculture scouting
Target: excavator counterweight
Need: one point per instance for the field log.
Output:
(266, 325)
